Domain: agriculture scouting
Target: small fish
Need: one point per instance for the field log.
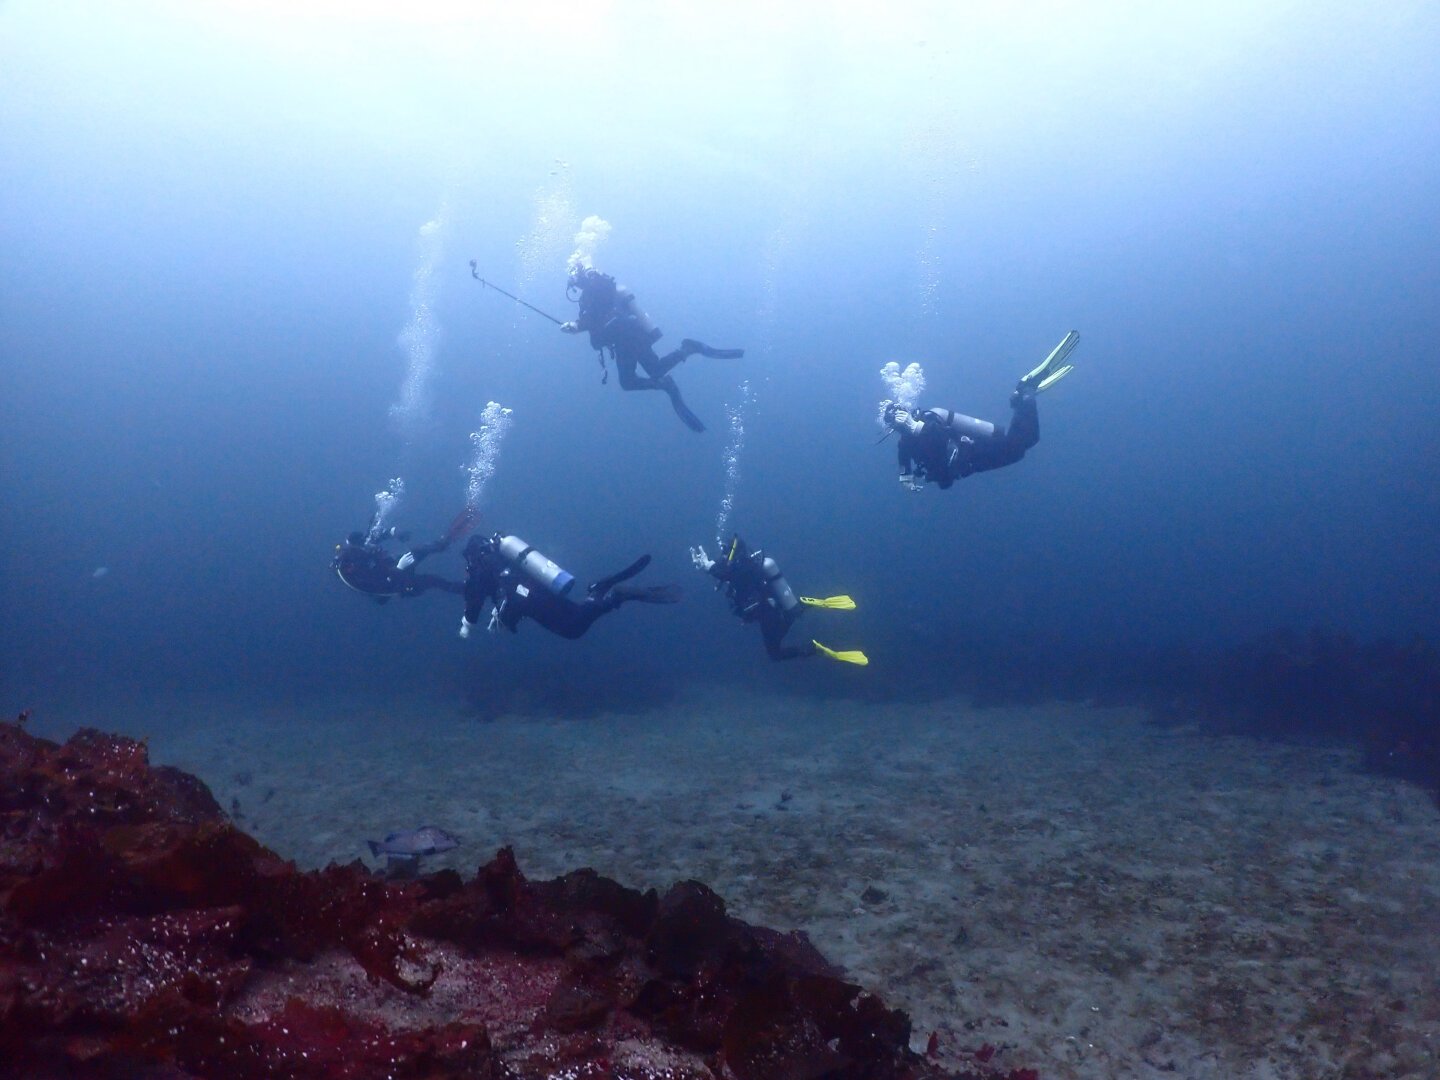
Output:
(412, 844)
(100, 571)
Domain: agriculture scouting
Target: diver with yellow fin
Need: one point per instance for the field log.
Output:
(941, 446)
(758, 592)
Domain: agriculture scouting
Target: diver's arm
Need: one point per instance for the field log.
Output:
(421, 551)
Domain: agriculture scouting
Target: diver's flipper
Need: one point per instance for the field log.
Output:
(689, 419)
(834, 603)
(648, 594)
(464, 521)
(690, 345)
(850, 656)
(604, 585)
(1054, 377)
(1053, 368)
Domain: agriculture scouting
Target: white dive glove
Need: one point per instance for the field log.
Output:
(904, 420)
(569, 328)
(700, 559)
(465, 626)
(405, 561)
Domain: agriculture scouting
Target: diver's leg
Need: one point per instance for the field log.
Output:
(1024, 430)
(1007, 446)
(662, 366)
(690, 347)
(773, 629)
(625, 369)
(630, 381)
(571, 620)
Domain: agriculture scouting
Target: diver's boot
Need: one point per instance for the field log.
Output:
(604, 585)
(1050, 370)
(647, 594)
(690, 346)
(688, 418)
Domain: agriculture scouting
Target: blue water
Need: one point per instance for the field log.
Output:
(210, 232)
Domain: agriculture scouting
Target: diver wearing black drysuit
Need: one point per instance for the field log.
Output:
(518, 582)
(941, 446)
(615, 322)
(365, 566)
(758, 592)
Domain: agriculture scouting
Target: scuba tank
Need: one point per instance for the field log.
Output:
(778, 588)
(627, 306)
(965, 427)
(535, 567)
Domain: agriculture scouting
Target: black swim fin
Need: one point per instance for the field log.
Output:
(604, 585)
(682, 410)
(649, 594)
(690, 345)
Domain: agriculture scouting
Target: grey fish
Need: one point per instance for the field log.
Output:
(414, 843)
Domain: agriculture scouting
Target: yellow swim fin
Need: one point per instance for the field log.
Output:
(1054, 377)
(852, 656)
(1053, 368)
(834, 603)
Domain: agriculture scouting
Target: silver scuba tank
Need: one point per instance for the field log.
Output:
(642, 320)
(777, 586)
(968, 427)
(534, 566)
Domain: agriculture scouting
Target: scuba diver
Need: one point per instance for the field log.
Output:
(364, 565)
(940, 446)
(519, 582)
(615, 322)
(758, 592)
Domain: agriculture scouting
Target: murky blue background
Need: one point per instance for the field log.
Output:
(211, 229)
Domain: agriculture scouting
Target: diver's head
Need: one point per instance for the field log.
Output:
(478, 548)
(589, 287)
(737, 549)
(356, 539)
(593, 282)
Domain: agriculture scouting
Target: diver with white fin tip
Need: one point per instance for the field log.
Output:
(940, 446)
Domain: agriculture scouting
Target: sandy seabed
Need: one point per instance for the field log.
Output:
(1096, 897)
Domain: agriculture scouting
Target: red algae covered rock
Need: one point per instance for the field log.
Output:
(142, 934)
